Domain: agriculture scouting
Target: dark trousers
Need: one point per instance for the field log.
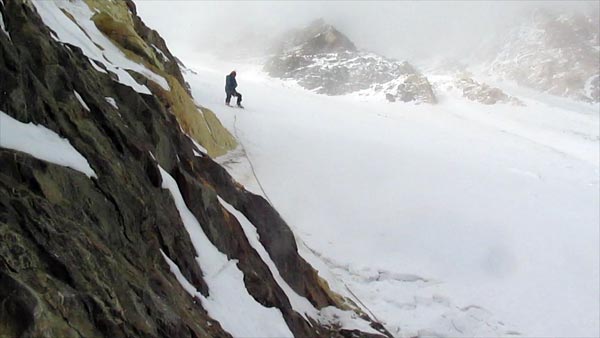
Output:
(233, 93)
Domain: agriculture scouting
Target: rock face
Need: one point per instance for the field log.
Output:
(322, 59)
(81, 256)
(557, 54)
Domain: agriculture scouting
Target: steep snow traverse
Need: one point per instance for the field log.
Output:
(388, 173)
(435, 219)
(155, 239)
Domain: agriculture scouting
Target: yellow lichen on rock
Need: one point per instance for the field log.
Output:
(113, 18)
(199, 123)
(222, 136)
(339, 301)
(117, 9)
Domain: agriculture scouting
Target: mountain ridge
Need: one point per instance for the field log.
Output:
(545, 51)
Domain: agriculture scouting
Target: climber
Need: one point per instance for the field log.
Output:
(230, 85)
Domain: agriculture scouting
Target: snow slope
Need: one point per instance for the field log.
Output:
(457, 219)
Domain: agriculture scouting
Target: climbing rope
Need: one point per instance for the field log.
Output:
(346, 285)
(235, 131)
(245, 153)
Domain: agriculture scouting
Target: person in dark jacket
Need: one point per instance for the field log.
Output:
(230, 85)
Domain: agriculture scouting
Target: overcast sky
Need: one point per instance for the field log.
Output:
(406, 30)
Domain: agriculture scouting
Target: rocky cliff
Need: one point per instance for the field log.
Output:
(555, 53)
(114, 219)
(322, 59)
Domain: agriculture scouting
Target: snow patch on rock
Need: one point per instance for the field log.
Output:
(2, 26)
(80, 99)
(160, 52)
(112, 102)
(299, 303)
(42, 143)
(229, 301)
(82, 32)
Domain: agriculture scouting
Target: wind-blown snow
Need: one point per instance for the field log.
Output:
(83, 104)
(84, 34)
(229, 301)
(492, 209)
(42, 143)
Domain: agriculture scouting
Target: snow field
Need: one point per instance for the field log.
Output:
(496, 206)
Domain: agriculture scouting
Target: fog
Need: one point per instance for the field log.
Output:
(407, 30)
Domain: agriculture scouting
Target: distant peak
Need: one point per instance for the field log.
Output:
(317, 23)
(319, 37)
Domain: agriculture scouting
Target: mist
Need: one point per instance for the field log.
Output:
(406, 30)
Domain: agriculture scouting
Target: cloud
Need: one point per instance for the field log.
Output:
(406, 30)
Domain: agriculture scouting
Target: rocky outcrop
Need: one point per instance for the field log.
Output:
(483, 93)
(410, 88)
(322, 59)
(557, 54)
(81, 256)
